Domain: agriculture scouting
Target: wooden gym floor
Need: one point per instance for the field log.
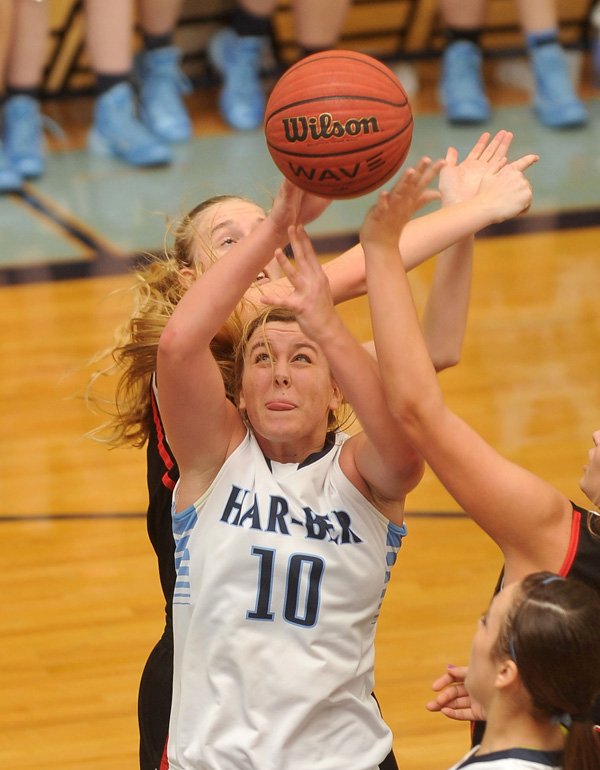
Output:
(82, 605)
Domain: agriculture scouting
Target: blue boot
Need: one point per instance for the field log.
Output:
(117, 130)
(10, 179)
(555, 101)
(162, 84)
(237, 59)
(461, 88)
(24, 136)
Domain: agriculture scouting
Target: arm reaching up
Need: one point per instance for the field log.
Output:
(528, 518)
(475, 179)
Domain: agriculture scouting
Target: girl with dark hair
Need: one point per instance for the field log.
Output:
(535, 670)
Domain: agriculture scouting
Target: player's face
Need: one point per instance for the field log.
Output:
(483, 665)
(219, 227)
(590, 481)
(287, 389)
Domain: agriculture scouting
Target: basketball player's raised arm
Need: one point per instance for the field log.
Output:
(467, 207)
(380, 456)
(527, 517)
(191, 389)
(476, 178)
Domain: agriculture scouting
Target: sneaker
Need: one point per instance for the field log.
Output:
(10, 179)
(555, 102)
(237, 59)
(24, 136)
(118, 131)
(461, 88)
(161, 86)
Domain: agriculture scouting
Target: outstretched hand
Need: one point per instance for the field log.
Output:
(486, 172)
(311, 300)
(386, 219)
(507, 191)
(461, 181)
(294, 206)
(453, 699)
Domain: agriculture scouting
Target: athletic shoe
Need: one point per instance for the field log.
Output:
(24, 136)
(555, 101)
(461, 87)
(117, 130)
(161, 86)
(237, 59)
(10, 179)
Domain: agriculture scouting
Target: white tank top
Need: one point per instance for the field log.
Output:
(281, 571)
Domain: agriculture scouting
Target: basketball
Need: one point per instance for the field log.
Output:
(338, 124)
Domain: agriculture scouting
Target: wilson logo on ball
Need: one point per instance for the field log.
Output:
(338, 124)
(325, 126)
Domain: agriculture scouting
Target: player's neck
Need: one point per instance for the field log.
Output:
(509, 729)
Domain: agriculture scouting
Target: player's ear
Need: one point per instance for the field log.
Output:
(187, 276)
(336, 396)
(507, 674)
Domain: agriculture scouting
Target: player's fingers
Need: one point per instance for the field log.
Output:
(479, 146)
(287, 268)
(492, 147)
(296, 245)
(451, 156)
(427, 196)
(430, 172)
(498, 147)
(462, 715)
(525, 162)
(504, 144)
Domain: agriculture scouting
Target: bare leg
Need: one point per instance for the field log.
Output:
(318, 24)
(538, 16)
(109, 30)
(159, 17)
(465, 14)
(6, 19)
(27, 50)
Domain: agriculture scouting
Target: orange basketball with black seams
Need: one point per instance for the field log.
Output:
(338, 124)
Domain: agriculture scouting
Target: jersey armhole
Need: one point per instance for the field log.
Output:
(573, 544)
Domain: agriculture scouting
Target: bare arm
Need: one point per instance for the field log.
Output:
(381, 457)
(475, 178)
(526, 516)
(202, 425)
(382, 464)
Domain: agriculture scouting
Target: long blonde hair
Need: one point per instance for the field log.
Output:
(160, 283)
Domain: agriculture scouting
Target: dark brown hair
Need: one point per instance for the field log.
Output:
(552, 632)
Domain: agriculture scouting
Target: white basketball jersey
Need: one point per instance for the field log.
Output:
(281, 574)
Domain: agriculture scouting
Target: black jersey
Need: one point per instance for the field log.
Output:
(161, 476)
